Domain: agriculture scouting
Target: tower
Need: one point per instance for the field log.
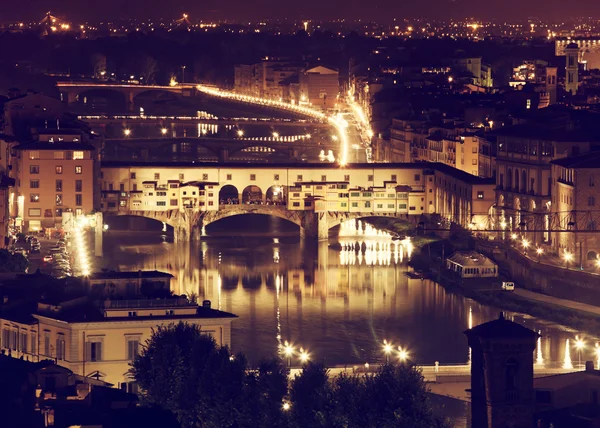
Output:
(572, 68)
(501, 374)
(551, 83)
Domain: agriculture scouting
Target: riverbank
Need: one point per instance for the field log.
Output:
(555, 312)
(432, 250)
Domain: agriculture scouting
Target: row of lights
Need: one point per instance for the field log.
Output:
(80, 242)
(567, 255)
(336, 121)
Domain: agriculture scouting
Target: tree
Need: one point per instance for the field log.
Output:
(147, 68)
(12, 262)
(98, 62)
(310, 394)
(183, 370)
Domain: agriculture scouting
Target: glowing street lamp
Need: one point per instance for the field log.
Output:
(402, 354)
(288, 351)
(275, 135)
(539, 251)
(304, 356)
(568, 258)
(240, 133)
(163, 131)
(286, 406)
(387, 349)
(127, 132)
(525, 243)
(579, 345)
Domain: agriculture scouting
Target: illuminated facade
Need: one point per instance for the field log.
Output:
(524, 180)
(393, 189)
(588, 48)
(54, 174)
(101, 340)
(575, 202)
(320, 87)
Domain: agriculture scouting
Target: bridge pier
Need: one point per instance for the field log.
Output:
(315, 226)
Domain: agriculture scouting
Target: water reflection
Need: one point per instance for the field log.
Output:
(325, 298)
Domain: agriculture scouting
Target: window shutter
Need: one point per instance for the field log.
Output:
(88, 351)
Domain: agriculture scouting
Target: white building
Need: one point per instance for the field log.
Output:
(100, 339)
(470, 264)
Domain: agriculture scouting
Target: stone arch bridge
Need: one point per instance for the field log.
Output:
(188, 223)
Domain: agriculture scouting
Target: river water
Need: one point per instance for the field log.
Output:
(336, 300)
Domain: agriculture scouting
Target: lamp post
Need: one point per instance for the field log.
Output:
(402, 354)
(304, 356)
(579, 345)
(183, 74)
(568, 257)
(387, 349)
(288, 351)
(539, 251)
(525, 243)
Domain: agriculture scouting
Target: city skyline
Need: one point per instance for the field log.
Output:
(237, 10)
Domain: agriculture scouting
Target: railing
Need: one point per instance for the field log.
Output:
(144, 303)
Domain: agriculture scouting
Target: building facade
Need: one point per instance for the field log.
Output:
(320, 87)
(102, 341)
(575, 209)
(54, 174)
(524, 178)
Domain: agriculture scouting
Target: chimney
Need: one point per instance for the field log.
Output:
(589, 366)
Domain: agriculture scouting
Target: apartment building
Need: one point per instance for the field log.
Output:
(320, 87)
(524, 180)
(54, 174)
(100, 338)
(575, 208)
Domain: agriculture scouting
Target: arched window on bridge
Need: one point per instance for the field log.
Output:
(277, 195)
(252, 195)
(228, 195)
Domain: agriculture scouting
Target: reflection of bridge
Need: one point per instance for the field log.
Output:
(73, 90)
(190, 149)
(188, 223)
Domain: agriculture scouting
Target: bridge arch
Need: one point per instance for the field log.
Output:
(277, 195)
(160, 218)
(101, 99)
(153, 96)
(229, 195)
(252, 194)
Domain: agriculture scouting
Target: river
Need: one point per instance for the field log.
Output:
(336, 300)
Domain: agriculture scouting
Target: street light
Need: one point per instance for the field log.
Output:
(163, 131)
(127, 132)
(288, 351)
(402, 354)
(304, 356)
(579, 345)
(275, 135)
(514, 236)
(286, 406)
(568, 257)
(387, 349)
(539, 251)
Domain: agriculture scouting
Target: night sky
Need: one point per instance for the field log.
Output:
(381, 10)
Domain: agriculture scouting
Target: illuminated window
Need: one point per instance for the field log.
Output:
(479, 195)
(78, 170)
(58, 169)
(59, 199)
(77, 155)
(59, 155)
(34, 154)
(34, 197)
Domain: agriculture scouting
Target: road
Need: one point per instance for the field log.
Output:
(538, 297)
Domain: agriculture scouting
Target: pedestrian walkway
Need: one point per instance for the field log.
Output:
(571, 304)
